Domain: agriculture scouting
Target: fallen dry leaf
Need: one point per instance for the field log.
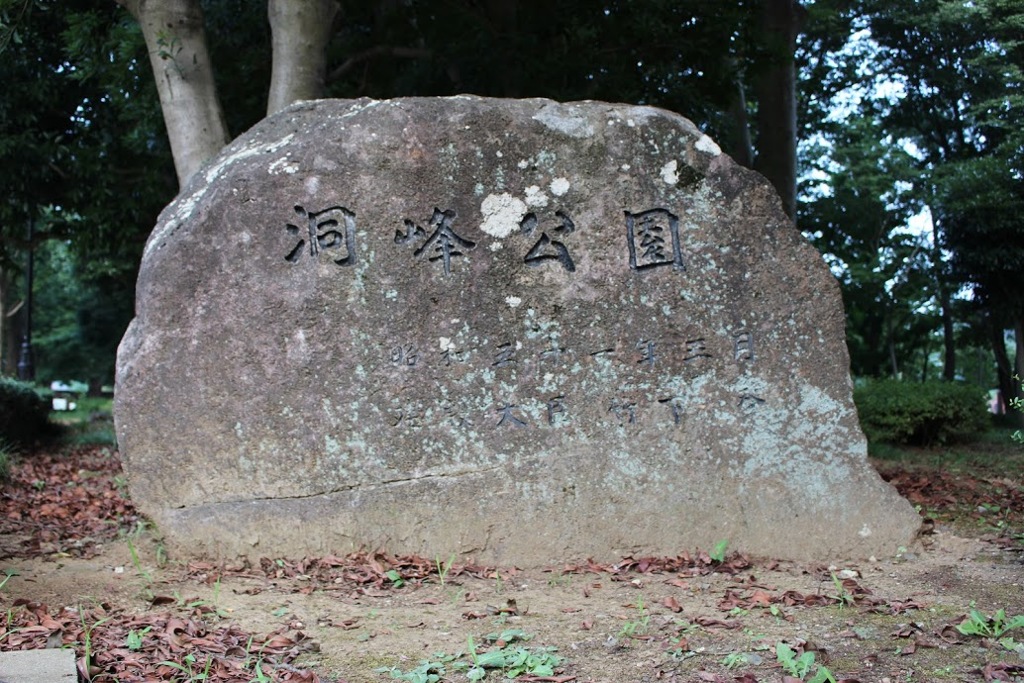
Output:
(673, 604)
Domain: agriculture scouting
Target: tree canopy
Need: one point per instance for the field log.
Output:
(903, 111)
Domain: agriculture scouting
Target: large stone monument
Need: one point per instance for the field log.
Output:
(523, 331)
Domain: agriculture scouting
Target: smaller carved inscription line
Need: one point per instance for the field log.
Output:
(556, 412)
(647, 353)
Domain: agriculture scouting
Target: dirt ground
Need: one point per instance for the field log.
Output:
(88, 575)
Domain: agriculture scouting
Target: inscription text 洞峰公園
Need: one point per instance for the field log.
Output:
(546, 248)
(443, 244)
(652, 238)
(332, 228)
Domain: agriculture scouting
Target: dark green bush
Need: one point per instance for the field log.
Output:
(921, 413)
(24, 414)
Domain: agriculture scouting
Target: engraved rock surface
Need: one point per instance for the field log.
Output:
(518, 330)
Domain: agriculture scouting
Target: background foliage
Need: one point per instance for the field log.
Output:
(920, 414)
(910, 148)
(23, 414)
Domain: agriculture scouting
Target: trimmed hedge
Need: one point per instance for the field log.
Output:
(921, 413)
(24, 414)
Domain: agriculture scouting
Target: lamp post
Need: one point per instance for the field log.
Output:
(26, 366)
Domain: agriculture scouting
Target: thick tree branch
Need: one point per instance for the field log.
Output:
(176, 41)
(776, 100)
(300, 32)
(375, 52)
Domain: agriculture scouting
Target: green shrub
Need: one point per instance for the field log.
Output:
(24, 414)
(6, 458)
(921, 413)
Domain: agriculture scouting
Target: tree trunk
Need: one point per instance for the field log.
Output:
(1004, 371)
(945, 306)
(502, 15)
(301, 30)
(948, 333)
(1018, 378)
(741, 149)
(894, 365)
(8, 327)
(176, 41)
(776, 100)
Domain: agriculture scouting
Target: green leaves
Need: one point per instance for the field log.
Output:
(511, 659)
(718, 552)
(395, 578)
(996, 626)
(133, 641)
(802, 665)
(426, 672)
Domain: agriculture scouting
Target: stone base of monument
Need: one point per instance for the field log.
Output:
(515, 330)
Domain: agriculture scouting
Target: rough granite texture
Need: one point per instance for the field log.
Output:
(518, 330)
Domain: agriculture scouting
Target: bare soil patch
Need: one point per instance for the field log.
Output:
(87, 573)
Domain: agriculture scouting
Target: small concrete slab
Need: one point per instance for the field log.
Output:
(38, 666)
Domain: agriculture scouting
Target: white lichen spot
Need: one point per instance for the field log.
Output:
(445, 343)
(625, 167)
(631, 123)
(670, 172)
(523, 163)
(496, 245)
(499, 154)
(360, 106)
(478, 189)
(865, 531)
(282, 165)
(565, 119)
(502, 214)
(391, 295)
(559, 186)
(513, 301)
(311, 184)
(535, 197)
(546, 158)
(708, 146)
(298, 349)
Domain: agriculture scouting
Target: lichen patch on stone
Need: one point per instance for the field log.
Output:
(502, 214)
(565, 119)
(535, 197)
(669, 172)
(708, 146)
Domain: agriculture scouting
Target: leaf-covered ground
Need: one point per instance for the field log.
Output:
(86, 572)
